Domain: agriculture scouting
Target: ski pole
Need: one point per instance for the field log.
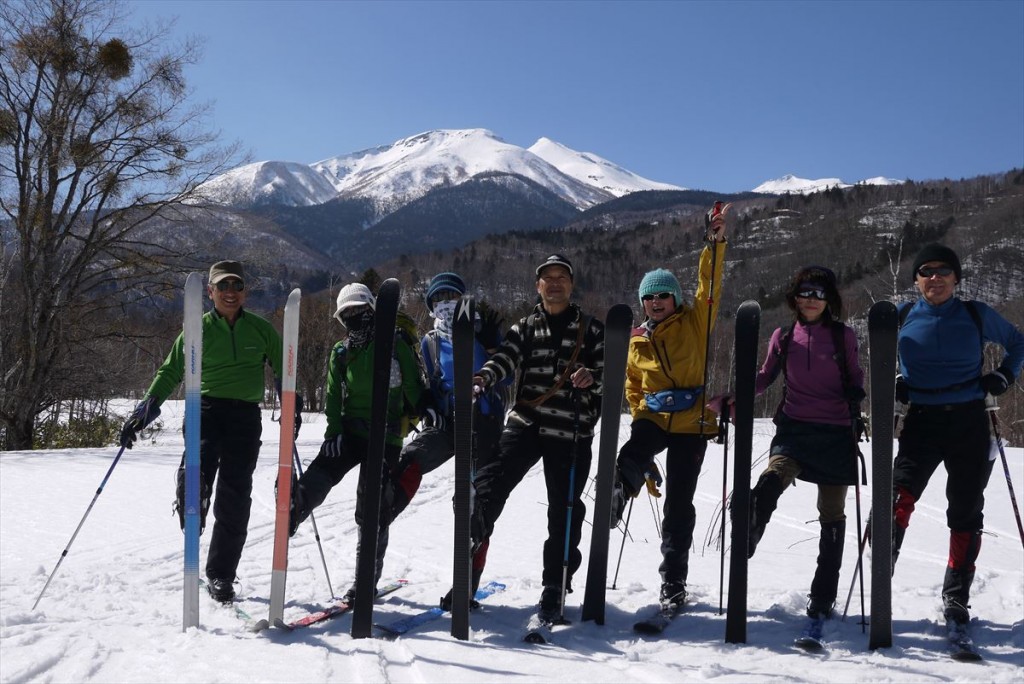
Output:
(860, 566)
(723, 426)
(312, 519)
(991, 407)
(716, 210)
(625, 531)
(572, 497)
(77, 529)
(858, 569)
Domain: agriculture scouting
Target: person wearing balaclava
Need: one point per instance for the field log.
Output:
(434, 445)
(347, 407)
(943, 381)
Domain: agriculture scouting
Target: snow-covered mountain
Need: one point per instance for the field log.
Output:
(270, 182)
(594, 170)
(803, 186)
(393, 175)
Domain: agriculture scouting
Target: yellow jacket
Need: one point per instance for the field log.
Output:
(671, 356)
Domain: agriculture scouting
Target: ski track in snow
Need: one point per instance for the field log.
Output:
(113, 611)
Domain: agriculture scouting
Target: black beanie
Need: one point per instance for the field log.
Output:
(937, 252)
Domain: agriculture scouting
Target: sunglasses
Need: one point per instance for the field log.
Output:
(226, 285)
(929, 271)
(652, 297)
(811, 294)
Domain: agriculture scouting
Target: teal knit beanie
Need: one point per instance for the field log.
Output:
(659, 280)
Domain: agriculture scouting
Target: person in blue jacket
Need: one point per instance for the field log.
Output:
(941, 341)
(435, 443)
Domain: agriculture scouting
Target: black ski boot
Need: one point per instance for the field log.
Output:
(825, 584)
(673, 595)
(179, 499)
(764, 497)
(956, 586)
(550, 607)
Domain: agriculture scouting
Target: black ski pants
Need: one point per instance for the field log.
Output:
(519, 449)
(325, 472)
(229, 445)
(957, 436)
(431, 449)
(683, 460)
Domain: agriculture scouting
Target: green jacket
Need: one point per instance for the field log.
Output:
(349, 390)
(233, 359)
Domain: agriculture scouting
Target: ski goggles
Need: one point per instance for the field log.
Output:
(929, 271)
(652, 297)
(812, 293)
(227, 285)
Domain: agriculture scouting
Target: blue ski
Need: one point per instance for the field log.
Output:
(192, 330)
(406, 624)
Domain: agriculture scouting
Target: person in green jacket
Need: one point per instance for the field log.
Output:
(347, 408)
(237, 344)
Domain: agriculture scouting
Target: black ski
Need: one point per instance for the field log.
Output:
(748, 324)
(882, 327)
(961, 646)
(656, 624)
(618, 322)
(370, 474)
(462, 360)
(540, 626)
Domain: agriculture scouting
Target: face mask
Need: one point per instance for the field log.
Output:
(444, 312)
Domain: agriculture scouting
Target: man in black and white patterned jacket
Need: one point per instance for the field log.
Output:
(558, 352)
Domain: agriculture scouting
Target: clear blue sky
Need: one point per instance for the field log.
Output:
(712, 95)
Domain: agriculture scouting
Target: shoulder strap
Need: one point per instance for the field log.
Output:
(434, 346)
(584, 325)
(839, 342)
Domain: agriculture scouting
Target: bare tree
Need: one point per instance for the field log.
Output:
(97, 136)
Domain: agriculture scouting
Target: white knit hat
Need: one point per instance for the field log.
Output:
(352, 295)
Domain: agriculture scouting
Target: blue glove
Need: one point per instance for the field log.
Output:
(331, 448)
(996, 382)
(145, 413)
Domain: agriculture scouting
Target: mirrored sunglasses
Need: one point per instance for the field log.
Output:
(811, 294)
(929, 271)
(226, 285)
(652, 297)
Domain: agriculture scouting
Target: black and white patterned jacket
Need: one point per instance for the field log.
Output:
(529, 349)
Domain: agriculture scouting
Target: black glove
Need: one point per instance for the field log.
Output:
(432, 419)
(996, 382)
(331, 448)
(489, 333)
(902, 390)
(145, 413)
(855, 395)
(299, 405)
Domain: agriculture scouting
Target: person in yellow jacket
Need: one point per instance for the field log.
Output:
(664, 388)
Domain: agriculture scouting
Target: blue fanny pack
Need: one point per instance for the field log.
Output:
(673, 400)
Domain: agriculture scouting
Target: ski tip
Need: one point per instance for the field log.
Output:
(967, 656)
(809, 645)
(282, 625)
(535, 638)
(259, 626)
(644, 627)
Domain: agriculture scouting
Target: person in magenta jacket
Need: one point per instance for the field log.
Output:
(816, 422)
